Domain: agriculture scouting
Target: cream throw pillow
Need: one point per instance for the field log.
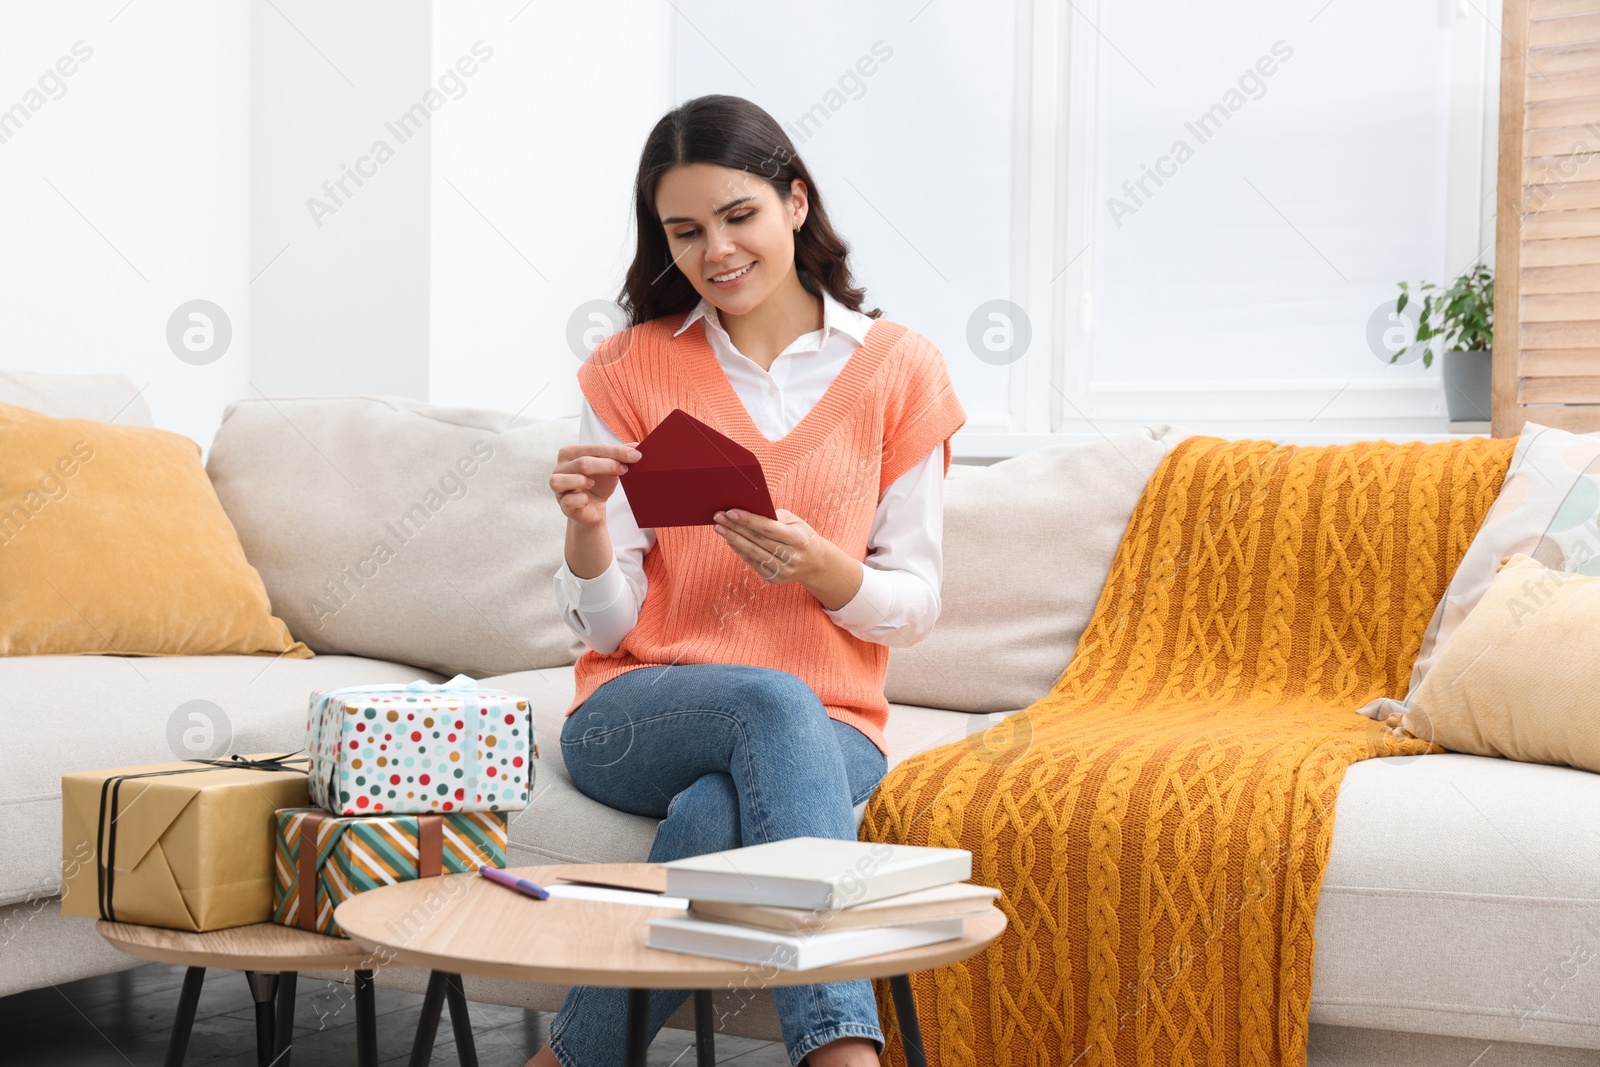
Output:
(1028, 543)
(1548, 508)
(1518, 678)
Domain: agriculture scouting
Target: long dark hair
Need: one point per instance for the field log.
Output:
(728, 131)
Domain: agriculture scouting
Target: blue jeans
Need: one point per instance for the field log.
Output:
(725, 755)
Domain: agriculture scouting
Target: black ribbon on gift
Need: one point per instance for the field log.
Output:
(110, 801)
(238, 762)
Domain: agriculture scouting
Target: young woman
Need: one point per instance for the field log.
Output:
(733, 681)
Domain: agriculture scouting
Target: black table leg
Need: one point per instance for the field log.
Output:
(455, 995)
(905, 1010)
(264, 991)
(705, 1038)
(638, 1027)
(283, 1041)
(366, 1021)
(428, 1024)
(188, 1001)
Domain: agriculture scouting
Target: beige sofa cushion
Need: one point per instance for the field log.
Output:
(398, 530)
(78, 713)
(1460, 898)
(104, 397)
(1028, 543)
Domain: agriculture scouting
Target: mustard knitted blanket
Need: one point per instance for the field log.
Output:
(1160, 821)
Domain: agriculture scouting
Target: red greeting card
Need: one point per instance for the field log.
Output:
(690, 471)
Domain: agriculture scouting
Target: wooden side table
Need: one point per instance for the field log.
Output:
(463, 923)
(271, 957)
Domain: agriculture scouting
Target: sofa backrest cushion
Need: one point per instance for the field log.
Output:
(102, 397)
(398, 530)
(1028, 542)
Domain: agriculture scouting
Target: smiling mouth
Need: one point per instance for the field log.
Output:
(733, 276)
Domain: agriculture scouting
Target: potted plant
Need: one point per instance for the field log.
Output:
(1461, 320)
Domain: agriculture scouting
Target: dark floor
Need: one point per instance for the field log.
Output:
(123, 1019)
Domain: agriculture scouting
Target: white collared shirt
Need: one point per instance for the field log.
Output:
(898, 601)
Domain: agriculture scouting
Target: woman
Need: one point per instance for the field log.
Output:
(733, 683)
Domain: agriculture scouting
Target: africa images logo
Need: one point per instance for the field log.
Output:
(452, 85)
(1203, 128)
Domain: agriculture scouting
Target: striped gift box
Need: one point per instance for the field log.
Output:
(355, 853)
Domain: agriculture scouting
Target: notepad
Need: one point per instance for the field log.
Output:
(572, 891)
(792, 953)
(688, 471)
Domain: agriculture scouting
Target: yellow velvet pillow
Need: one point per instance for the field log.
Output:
(113, 541)
(1518, 676)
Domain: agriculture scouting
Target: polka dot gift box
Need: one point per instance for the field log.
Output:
(420, 749)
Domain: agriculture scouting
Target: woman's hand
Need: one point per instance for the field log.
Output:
(585, 476)
(789, 550)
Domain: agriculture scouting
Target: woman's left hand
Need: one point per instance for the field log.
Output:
(789, 550)
(785, 551)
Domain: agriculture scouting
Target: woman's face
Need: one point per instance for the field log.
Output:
(720, 221)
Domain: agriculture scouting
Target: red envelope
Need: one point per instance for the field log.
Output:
(689, 472)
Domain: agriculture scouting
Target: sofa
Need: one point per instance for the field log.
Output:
(1458, 922)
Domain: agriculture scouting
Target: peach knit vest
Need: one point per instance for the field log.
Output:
(890, 405)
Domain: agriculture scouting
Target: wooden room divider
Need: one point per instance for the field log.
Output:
(1547, 226)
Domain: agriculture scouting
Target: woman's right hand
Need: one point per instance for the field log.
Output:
(585, 477)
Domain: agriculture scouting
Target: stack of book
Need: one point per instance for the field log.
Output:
(811, 902)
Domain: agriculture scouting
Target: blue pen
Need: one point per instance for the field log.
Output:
(511, 881)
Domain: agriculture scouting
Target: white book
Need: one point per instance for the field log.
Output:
(802, 952)
(815, 872)
(956, 900)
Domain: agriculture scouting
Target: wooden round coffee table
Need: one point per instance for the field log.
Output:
(271, 957)
(464, 923)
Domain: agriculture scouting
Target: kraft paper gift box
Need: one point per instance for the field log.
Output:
(322, 860)
(420, 749)
(185, 845)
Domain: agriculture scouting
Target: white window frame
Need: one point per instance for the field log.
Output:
(1054, 400)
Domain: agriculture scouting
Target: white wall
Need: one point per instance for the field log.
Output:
(340, 205)
(126, 190)
(531, 189)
